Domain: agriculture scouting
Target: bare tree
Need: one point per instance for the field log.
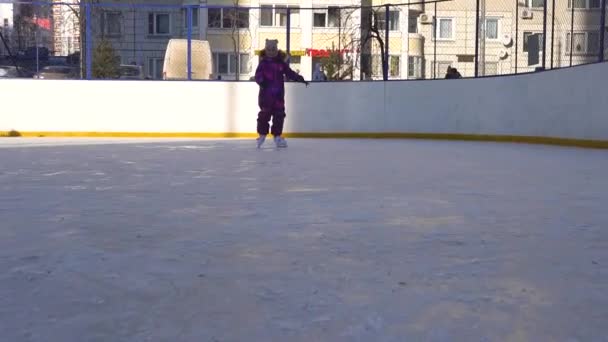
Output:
(235, 19)
(356, 37)
(76, 16)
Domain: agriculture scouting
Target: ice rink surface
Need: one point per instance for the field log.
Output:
(328, 240)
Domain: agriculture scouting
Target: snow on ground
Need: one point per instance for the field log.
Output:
(329, 240)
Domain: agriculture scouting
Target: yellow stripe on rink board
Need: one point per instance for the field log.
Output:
(603, 144)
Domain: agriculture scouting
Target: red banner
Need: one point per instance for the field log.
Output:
(42, 23)
(326, 53)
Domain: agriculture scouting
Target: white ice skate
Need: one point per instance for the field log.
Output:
(280, 142)
(260, 140)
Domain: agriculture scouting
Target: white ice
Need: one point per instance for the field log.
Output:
(327, 240)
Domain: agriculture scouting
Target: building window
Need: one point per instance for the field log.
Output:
(535, 3)
(155, 68)
(244, 65)
(266, 13)
(440, 68)
(228, 18)
(5, 23)
(491, 68)
(394, 69)
(393, 17)
(159, 24)
(394, 66)
(214, 17)
(540, 40)
(594, 3)
(584, 4)
(444, 29)
(112, 23)
(276, 16)
(327, 17)
(226, 63)
(492, 28)
(195, 16)
(414, 67)
(584, 42)
(412, 22)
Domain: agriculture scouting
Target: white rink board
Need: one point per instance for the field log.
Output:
(567, 103)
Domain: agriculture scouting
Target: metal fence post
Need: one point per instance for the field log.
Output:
(602, 31)
(516, 33)
(552, 31)
(571, 31)
(288, 34)
(387, 18)
(476, 39)
(544, 34)
(89, 42)
(189, 24)
(435, 41)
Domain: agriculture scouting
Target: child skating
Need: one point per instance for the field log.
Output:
(270, 76)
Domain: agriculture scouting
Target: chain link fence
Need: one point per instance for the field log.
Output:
(362, 42)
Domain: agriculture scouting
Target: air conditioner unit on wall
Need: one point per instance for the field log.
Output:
(526, 14)
(426, 19)
(506, 40)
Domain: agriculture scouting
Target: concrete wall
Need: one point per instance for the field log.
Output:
(567, 103)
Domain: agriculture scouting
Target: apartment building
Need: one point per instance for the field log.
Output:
(424, 39)
(66, 27)
(448, 31)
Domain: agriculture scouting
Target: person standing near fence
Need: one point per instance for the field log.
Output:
(270, 76)
(452, 73)
(318, 75)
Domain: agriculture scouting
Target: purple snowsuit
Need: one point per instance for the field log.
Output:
(270, 75)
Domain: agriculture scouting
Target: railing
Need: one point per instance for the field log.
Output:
(361, 41)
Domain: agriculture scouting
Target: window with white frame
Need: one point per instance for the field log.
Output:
(112, 23)
(527, 35)
(394, 66)
(155, 68)
(412, 22)
(276, 15)
(393, 17)
(584, 42)
(159, 23)
(195, 16)
(492, 27)
(444, 29)
(414, 67)
(535, 3)
(327, 17)
(585, 4)
(228, 18)
(227, 63)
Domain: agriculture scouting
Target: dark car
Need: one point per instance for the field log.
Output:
(58, 72)
(10, 71)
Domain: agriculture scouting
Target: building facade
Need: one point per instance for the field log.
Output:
(423, 39)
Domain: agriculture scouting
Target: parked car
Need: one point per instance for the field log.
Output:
(131, 72)
(10, 71)
(58, 60)
(58, 72)
(176, 55)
